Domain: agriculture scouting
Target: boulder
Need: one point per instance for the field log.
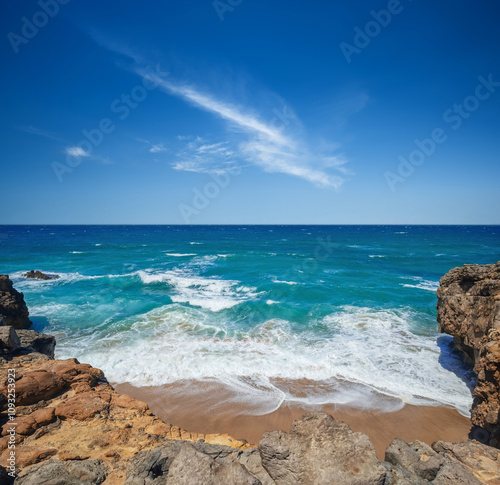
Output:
(38, 385)
(320, 450)
(12, 305)
(38, 275)
(9, 340)
(32, 341)
(77, 472)
(83, 406)
(469, 310)
(192, 467)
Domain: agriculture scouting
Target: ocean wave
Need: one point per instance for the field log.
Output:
(372, 349)
(212, 293)
(422, 284)
(285, 282)
(376, 256)
(180, 255)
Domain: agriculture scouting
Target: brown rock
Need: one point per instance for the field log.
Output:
(65, 456)
(83, 406)
(38, 385)
(469, 310)
(28, 455)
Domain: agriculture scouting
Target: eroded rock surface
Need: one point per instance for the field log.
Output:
(13, 308)
(469, 310)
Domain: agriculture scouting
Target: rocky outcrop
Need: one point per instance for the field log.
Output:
(469, 310)
(13, 342)
(320, 450)
(38, 275)
(13, 308)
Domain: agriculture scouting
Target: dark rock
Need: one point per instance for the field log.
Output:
(192, 467)
(38, 275)
(151, 467)
(12, 305)
(33, 341)
(5, 478)
(228, 465)
(469, 310)
(320, 450)
(9, 340)
(75, 472)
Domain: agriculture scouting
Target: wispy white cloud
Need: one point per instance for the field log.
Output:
(271, 142)
(46, 134)
(76, 151)
(158, 148)
(266, 146)
(202, 157)
(153, 147)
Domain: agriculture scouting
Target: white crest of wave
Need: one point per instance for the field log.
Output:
(422, 284)
(213, 293)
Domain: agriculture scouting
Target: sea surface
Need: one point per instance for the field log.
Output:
(348, 312)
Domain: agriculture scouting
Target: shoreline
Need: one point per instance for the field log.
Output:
(203, 410)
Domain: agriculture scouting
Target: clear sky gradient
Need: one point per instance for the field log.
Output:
(250, 111)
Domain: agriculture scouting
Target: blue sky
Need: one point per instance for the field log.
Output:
(247, 111)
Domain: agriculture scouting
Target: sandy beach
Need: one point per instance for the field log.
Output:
(201, 408)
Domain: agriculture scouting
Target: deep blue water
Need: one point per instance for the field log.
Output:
(351, 308)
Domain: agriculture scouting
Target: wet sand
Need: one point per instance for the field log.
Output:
(202, 408)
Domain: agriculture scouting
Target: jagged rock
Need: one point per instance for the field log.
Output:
(33, 341)
(192, 467)
(416, 457)
(320, 450)
(469, 310)
(151, 467)
(483, 460)
(455, 474)
(9, 340)
(12, 305)
(86, 472)
(38, 275)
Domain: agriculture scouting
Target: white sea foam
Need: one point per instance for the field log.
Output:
(210, 293)
(376, 255)
(76, 252)
(363, 355)
(180, 255)
(194, 242)
(422, 284)
(285, 282)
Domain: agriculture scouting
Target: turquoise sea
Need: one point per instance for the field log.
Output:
(348, 309)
